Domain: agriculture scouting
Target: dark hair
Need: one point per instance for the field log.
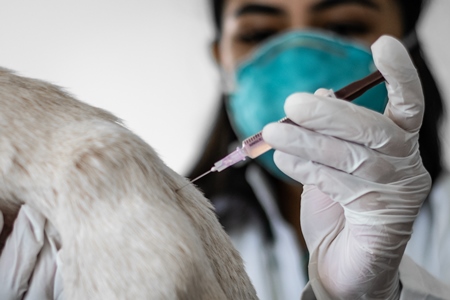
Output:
(230, 192)
(410, 13)
(217, 12)
(429, 141)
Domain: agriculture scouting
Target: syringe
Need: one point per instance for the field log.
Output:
(254, 146)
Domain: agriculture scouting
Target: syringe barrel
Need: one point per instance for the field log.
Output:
(255, 145)
(229, 160)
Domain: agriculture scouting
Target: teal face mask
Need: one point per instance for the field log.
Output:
(299, 61)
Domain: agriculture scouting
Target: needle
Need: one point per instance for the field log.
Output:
(203, 175)
(195, 179)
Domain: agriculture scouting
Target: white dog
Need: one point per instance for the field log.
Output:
(126, 230)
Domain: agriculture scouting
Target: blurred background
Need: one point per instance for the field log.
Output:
(149, 62)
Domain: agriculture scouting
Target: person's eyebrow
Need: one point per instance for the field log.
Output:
(249, 9)
(327, 4)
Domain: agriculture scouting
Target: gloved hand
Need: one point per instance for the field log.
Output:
(363, 176)
(29, 263)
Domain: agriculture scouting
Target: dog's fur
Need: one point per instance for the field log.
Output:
(126, 232)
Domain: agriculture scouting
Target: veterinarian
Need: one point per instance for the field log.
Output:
(364, 181)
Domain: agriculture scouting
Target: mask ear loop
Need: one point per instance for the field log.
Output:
(227, 82)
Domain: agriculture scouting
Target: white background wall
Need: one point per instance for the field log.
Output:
(146, 61)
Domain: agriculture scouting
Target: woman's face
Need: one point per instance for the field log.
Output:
(248, 23)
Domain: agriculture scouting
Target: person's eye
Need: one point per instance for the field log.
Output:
(255, 36)
(348, 28)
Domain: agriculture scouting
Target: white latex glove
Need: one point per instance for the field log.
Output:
(364, 180)
(29, 260)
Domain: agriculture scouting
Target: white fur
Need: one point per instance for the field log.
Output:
(126, 231)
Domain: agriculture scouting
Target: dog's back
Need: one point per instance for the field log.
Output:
(126, 232)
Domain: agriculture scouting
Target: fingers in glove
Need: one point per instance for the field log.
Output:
(346, 188)
(58, 291)
(321, 218)
(41, 285)
(20, 253)
(406, 99)
(347, 121)
(327, 150)
(311, 173)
